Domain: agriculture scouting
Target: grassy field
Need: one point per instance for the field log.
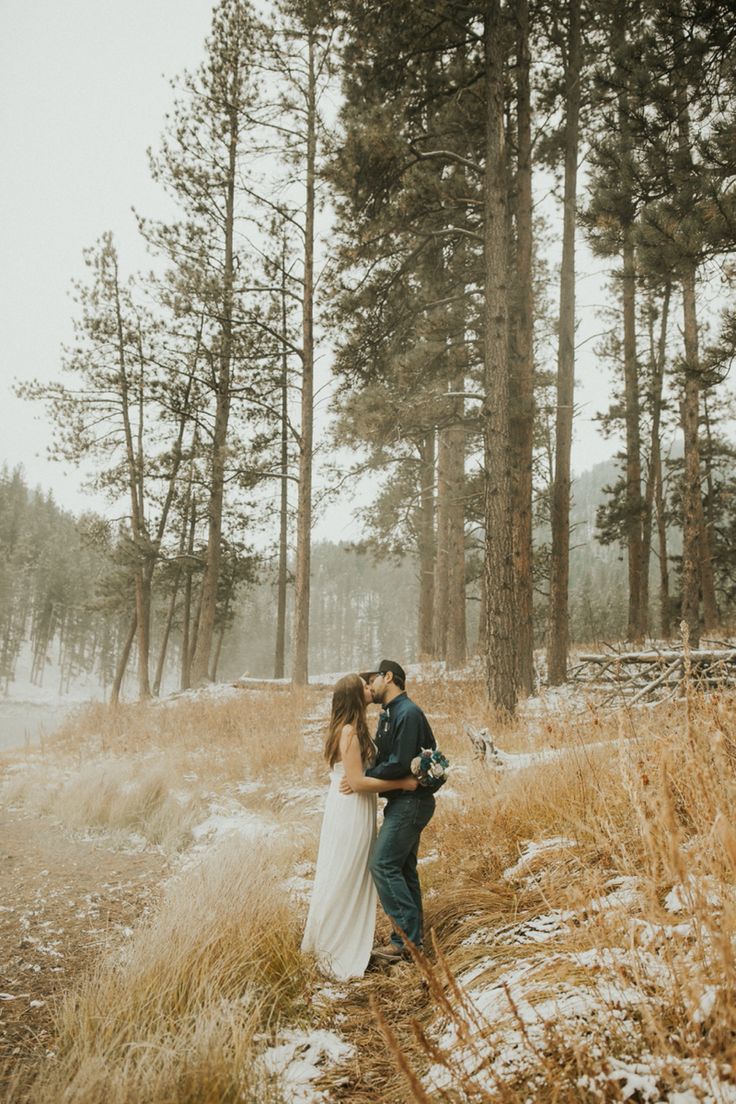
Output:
(581, 904)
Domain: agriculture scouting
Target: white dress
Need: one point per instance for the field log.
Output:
(342, 912)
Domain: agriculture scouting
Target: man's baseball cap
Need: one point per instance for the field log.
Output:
(383, 667)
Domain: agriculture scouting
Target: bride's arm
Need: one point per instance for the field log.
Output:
(356, 780)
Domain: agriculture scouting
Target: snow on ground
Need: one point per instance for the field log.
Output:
(226, 820)
(56, 688)
(299, 1058)
(503, 1020)
(535, 848)
(214, 691)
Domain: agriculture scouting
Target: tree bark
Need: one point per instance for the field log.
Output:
(441, 563)
(221, 634)
(135, 486)
(710, 605)
(665, 621)
(697, 565)
(559, 629)
(426, 541)
(456, 650)
(186, 632)
(655, 460)
(632, 415)
(523, 364)
(300, 672)
(633, 441)
(691, 531)
(158, 677)
(501, 645)
(123, 661)
(208, 596)
(279, 660)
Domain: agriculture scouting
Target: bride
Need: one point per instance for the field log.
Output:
(342, 911)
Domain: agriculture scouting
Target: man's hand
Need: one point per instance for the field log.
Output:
(345, 787)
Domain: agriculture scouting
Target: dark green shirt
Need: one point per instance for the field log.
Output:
(403, 731)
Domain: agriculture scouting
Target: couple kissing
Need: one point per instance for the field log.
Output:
(355, 863)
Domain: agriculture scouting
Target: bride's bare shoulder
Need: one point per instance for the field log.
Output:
(346, 737)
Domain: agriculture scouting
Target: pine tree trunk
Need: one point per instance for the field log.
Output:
(691, 532)
(696, 567)
(501, 644)
(195, 625)
(707, 578)
(665, 621)
(425, 528)
(158, 677)
(123, 661)
(633, 441)
(186, 647)
(221, 634)
(692, 502)
(208, 595)
(559, 629)
(632, 417)
(456, 613)
(279, 660)
(441, 562)
(480, 645)
(655, 459)
(523, 364)
(135, 486)
(710, 606)
(300, 672)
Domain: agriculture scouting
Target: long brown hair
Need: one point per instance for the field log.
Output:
(348, 708)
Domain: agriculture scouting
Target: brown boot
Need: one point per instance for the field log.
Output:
(390, 953)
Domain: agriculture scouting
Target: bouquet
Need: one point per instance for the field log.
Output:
(430, 767)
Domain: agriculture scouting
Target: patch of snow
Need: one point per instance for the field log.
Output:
(626, 894)
(430, 857)
(299, 1058)
(249, 787)
(630, 1079)
(225, 821)
(310, 797)
(328, 994)
(683, 896)
(215, 691)
(299, 888)
(706, 1004)
(534, 848)
(648, 934)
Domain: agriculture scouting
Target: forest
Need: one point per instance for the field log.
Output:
(370, 274)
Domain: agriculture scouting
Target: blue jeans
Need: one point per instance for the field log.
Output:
(393, 863)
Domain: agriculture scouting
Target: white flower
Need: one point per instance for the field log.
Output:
(437, 770)
(414, 768)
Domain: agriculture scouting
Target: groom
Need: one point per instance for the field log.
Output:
(403, 731)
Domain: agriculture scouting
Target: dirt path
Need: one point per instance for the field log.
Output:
(62, 901)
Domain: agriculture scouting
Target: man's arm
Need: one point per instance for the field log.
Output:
(405, 744)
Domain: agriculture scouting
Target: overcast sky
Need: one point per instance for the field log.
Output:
(83, 93)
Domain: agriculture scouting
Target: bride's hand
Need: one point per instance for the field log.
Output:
(345, 787)
(409, 783)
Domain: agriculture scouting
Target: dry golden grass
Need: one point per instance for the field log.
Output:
(649, 794)
(152, 769)
(177, 1014)
(656, 803)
